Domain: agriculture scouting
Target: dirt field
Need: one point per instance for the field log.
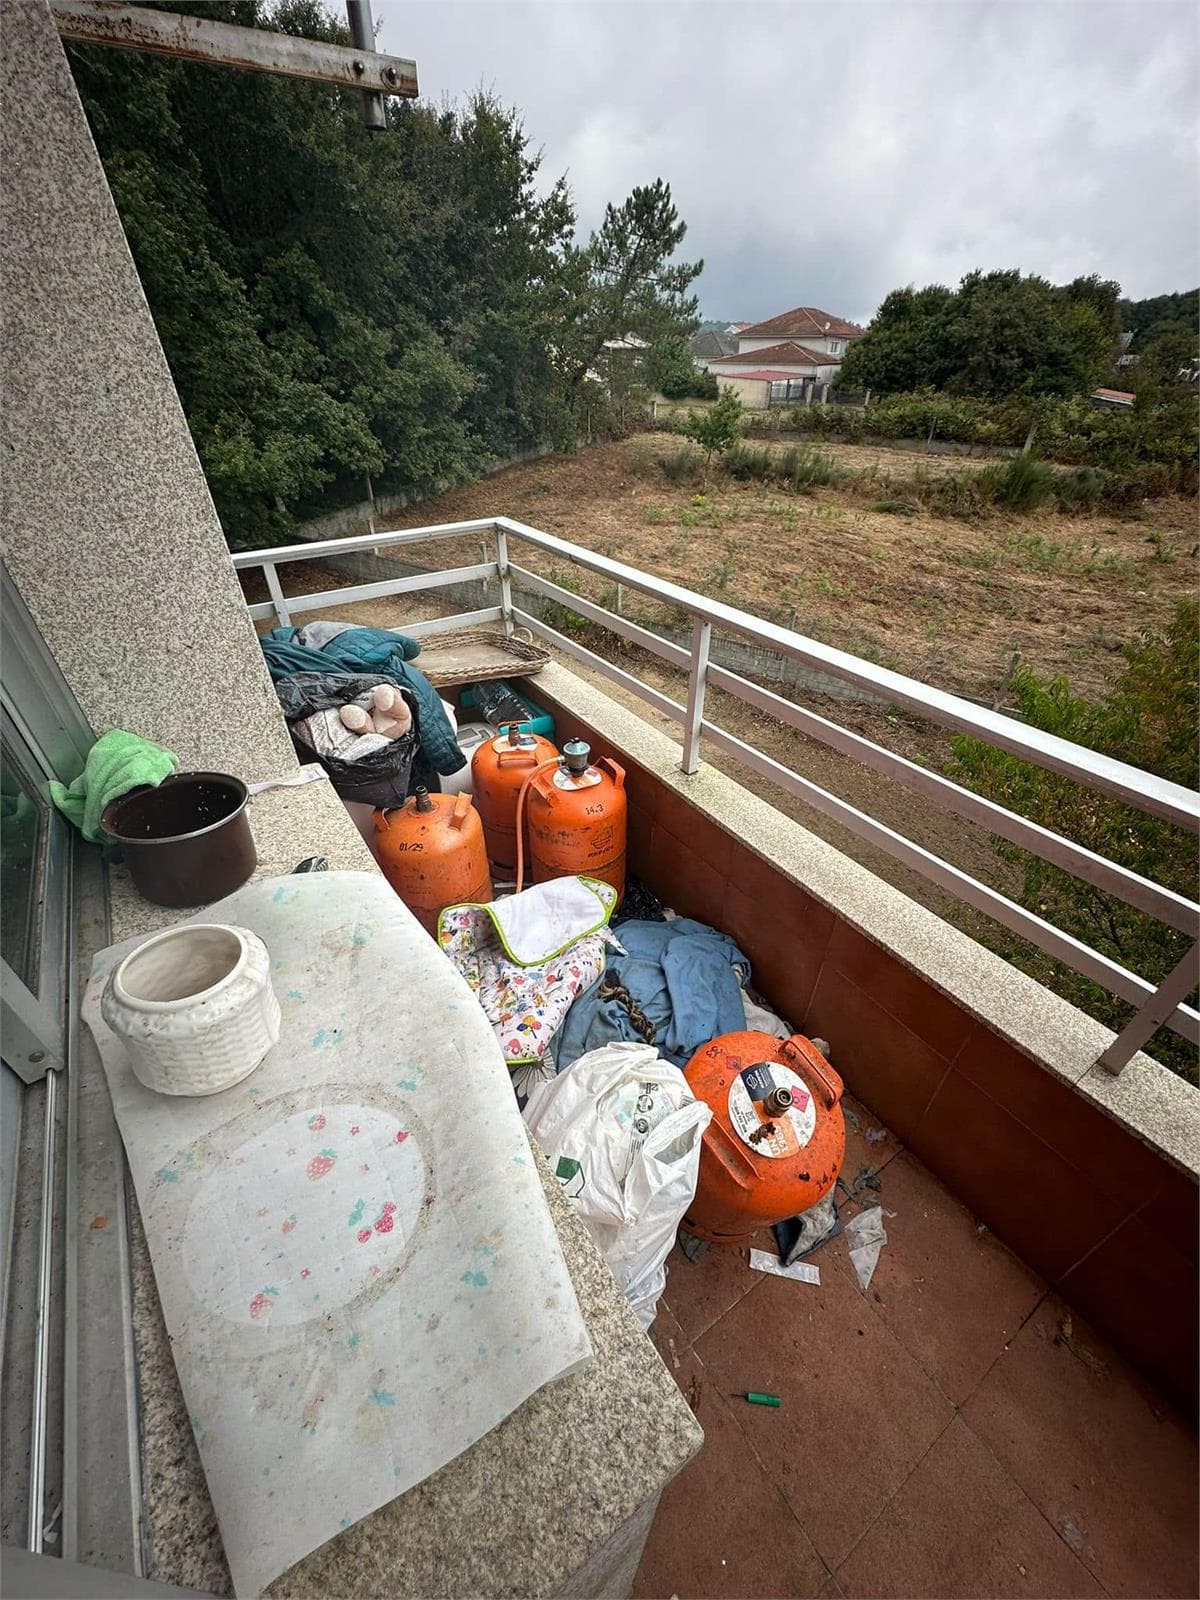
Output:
(946, 600)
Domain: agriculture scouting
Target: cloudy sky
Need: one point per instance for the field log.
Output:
(823, 153)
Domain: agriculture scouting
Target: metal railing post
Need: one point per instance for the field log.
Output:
(1151, 1015)
(278, 598)
(697, 682)
(506, 604)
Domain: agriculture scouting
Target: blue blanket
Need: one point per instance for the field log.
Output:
(683, 975)
(372, 651)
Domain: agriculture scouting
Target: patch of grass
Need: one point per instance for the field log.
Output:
(893, 508)
(1162, 550)
(690, 517)
(825, 583)
(1035, 551)
(654, 515)
(789, 515)
(722, 574)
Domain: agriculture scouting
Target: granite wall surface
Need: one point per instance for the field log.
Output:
(109, 529)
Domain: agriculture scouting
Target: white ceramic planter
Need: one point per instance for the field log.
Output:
(194, 1007)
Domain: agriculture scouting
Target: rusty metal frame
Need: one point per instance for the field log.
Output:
(188, 38)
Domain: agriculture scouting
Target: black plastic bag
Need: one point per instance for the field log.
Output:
(379, 779)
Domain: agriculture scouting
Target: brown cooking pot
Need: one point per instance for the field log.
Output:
(186, 842)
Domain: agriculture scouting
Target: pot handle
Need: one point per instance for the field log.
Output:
(799, 1049)
(615, 767)
(462, 804)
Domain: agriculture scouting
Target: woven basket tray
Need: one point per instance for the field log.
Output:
(469, 655)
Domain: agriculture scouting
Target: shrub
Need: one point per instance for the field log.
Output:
(681, 465)
(1021, 484)
(1147, 718)
(718, 429)
(1079, 491)
(1072, 431)
(749, 462)
(801, 467)
(893, 508)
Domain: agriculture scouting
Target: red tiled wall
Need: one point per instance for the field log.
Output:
(1105, 1219)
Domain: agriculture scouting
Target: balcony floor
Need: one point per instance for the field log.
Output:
(954, 1432)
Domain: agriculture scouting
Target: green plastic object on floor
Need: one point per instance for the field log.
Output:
(116, 763)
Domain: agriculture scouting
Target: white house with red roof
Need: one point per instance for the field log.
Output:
(775, 357)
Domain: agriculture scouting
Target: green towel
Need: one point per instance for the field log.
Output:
(116, 763)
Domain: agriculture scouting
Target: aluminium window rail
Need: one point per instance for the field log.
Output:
(1155, 1005)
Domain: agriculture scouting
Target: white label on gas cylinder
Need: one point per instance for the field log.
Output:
(780, 1135)
(577, 780)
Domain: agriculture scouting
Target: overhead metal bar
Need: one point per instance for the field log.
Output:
(187, 38)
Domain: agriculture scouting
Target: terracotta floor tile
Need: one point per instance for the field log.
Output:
(699, 1292)
(857, 1413)
(1109, 1467)
(960, 1527)
(722, 1526)
(953, 1296)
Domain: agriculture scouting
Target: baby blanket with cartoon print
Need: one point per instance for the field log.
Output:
(529, 956)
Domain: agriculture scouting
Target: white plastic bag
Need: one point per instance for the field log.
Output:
(622, 1130)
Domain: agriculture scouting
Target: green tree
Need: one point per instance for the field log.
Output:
(334, 303)
(904, 349)
(1170, 351)
(1140, 316)
(997, 334)
(671, 369)
(625, 281)
(718, 429)
(1149, 719)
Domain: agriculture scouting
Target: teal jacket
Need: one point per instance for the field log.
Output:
(373, 650)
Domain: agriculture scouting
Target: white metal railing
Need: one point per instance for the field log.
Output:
(1155, 1005)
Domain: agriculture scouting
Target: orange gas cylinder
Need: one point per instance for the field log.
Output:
(576, 817)
(498, 769)
(777, 1138)
(431, 851)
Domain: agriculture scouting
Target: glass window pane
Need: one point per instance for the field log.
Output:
(22, 869)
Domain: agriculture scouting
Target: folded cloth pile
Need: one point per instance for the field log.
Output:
(678, 985)
(527, 957)
(338, 647)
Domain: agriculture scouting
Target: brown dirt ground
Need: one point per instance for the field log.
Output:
(946, 600)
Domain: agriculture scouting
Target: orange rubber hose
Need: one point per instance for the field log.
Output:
(552, 761)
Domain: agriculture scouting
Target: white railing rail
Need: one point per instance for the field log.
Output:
(1156, 1005)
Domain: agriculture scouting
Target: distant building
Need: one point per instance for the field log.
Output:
(1111, 399)
(786, 358)
(711, 345)
(816, 330)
